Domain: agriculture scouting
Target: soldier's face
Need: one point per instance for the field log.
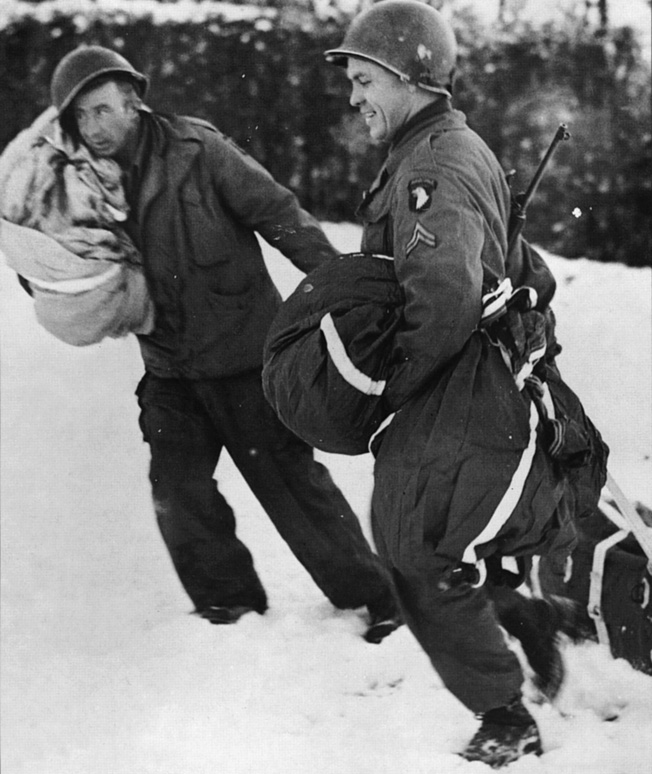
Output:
(107, 121)
(382, 98)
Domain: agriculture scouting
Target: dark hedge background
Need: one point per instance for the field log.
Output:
(264, 82)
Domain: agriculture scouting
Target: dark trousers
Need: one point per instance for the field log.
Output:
(187, 423)
(456, 623)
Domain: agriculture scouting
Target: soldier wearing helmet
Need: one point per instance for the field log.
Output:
(197, 202)
(459, 479)
(96, 66)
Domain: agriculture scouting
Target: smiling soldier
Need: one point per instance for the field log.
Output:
(461, 478)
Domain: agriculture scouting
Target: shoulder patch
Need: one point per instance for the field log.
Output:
(420, 234)
(421, 191)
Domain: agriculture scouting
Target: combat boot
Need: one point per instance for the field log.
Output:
(505, 734)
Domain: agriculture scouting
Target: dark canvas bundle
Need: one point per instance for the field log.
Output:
(609, 574)
(325, 362)
(575, 443)
(571, 440)
(326, 354)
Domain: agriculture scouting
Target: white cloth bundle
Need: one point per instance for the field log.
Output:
(61, 211)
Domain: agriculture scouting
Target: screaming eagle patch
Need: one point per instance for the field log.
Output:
(421, 194)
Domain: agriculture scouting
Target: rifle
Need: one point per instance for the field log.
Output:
(521, 201)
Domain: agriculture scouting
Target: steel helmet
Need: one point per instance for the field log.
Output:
(406, 37)
(81, 66)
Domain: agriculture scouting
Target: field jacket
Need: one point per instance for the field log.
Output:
(199, 203)
(440, 206)
(462, 471)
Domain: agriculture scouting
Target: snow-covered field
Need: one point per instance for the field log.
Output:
(105, 672)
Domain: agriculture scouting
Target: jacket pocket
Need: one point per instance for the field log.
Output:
(378, 233)
(208, 232)
(233, 302)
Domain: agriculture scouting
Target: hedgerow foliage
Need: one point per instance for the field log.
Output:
(261, 77)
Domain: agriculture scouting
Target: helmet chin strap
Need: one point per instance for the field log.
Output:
(412, 86)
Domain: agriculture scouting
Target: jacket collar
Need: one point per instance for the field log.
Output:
(418, 121)
(435, 118)
(173, 145)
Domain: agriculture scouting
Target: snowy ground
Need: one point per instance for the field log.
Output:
(104, 671)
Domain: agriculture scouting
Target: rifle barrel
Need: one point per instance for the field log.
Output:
(562, 133)
(518, 214)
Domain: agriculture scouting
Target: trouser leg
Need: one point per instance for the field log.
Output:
(456, 625)
(196, 522)
(306, 507)
(459, 631)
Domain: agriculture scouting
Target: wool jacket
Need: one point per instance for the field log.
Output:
(461, 472)
(440, 206)
(196, 211)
